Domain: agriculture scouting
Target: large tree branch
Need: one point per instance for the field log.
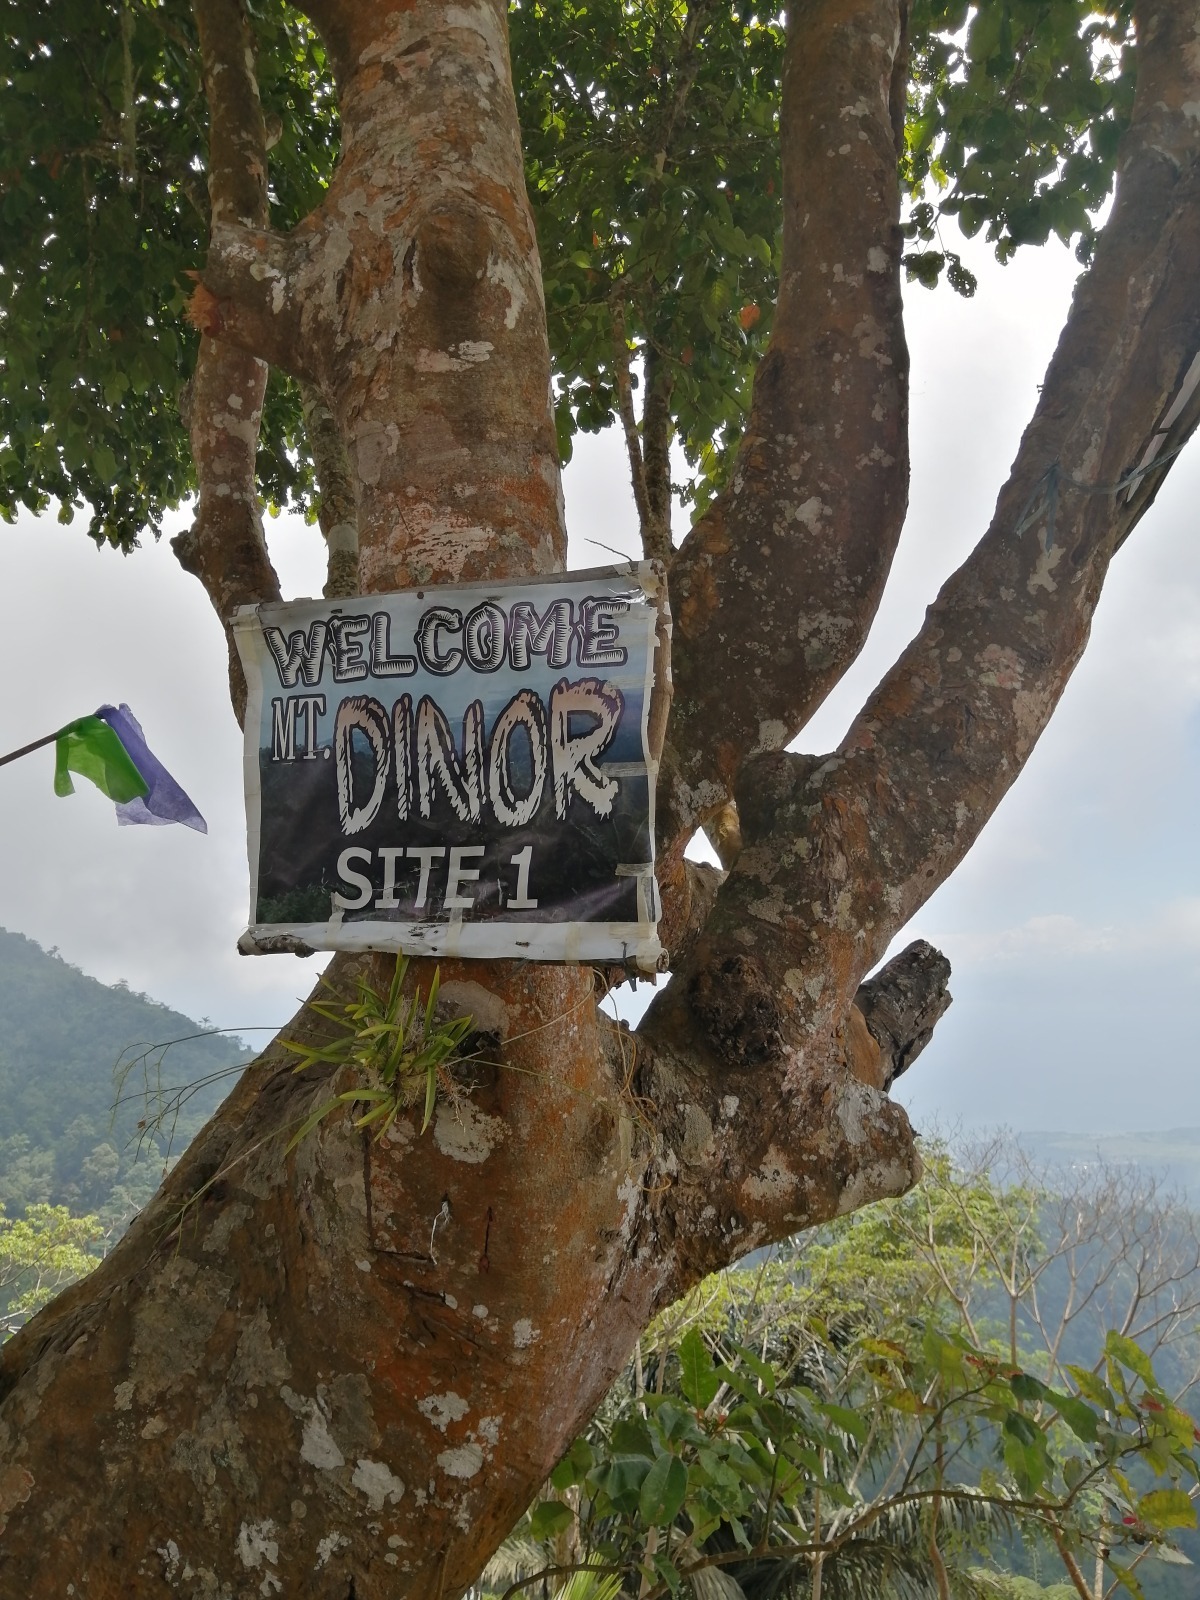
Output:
(256, 294)
(656, 456)
(337, 512)
(774, 589)
(623, 382)
(841, 852)
(224, 547)
(743, 1155)
(900, 1007)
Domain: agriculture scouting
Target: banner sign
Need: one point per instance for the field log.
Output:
(456, 771)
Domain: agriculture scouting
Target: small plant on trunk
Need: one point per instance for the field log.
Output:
(400, 1047)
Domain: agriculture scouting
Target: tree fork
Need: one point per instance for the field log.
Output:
(355, 1364)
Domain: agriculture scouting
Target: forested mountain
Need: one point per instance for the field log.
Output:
(63, 1036)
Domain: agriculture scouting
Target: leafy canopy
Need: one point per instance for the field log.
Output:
(651, 139)
(40, 1254)
(876, 1401)
(103, 212)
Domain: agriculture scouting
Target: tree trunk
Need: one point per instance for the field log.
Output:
(342, 1370)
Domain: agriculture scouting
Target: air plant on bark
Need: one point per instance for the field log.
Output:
(399, 1047)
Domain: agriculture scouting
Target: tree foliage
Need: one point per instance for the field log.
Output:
(982, 1381)
(1015, 112)
(651, 135)
(40, 1254)
(104, 213)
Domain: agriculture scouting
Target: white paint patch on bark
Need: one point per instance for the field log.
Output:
(464, 1461)
(774, 1180)
(317, 1444)
(811, 512)
(771, 908)
(1031, 710)
(772, 735)
(378, 1482)
(329, 1546)
(256, 1544)
(878, 1181)
(374, 444)
(695, 800)
(171, 1559)
(1041, 577)
(486, 1010)
(1002, 667)
(629, 1194)
(504, 274)
(698, 1146)
(442, 1409)
(457, 359)
(851, 1113)
(260, 1362)
(872, 341)
(466, 1134)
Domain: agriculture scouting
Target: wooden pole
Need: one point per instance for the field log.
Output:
(26, 748)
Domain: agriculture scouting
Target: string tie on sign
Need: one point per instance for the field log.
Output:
(1044, 499)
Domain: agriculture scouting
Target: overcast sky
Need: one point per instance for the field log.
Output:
(1073, 928)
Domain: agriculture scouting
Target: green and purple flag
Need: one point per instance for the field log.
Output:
(110, 750)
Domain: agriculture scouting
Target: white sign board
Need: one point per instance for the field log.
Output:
(456, 771)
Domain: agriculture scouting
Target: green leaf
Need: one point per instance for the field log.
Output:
(631, 1437)
(1078, 1416)
(574, 1466)
(668, 1572)
(621, 1479)
(663, 1491)
(1025, 1453)
(1026, 1388)
(1094, 1388)
(851, 1422)
(548, 1518)
(698, 1377)
(1167, 1508)
(1120, 1348)
(760, 1369)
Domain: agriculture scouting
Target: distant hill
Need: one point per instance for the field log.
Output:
(1171, 1154)
(62, 1034)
